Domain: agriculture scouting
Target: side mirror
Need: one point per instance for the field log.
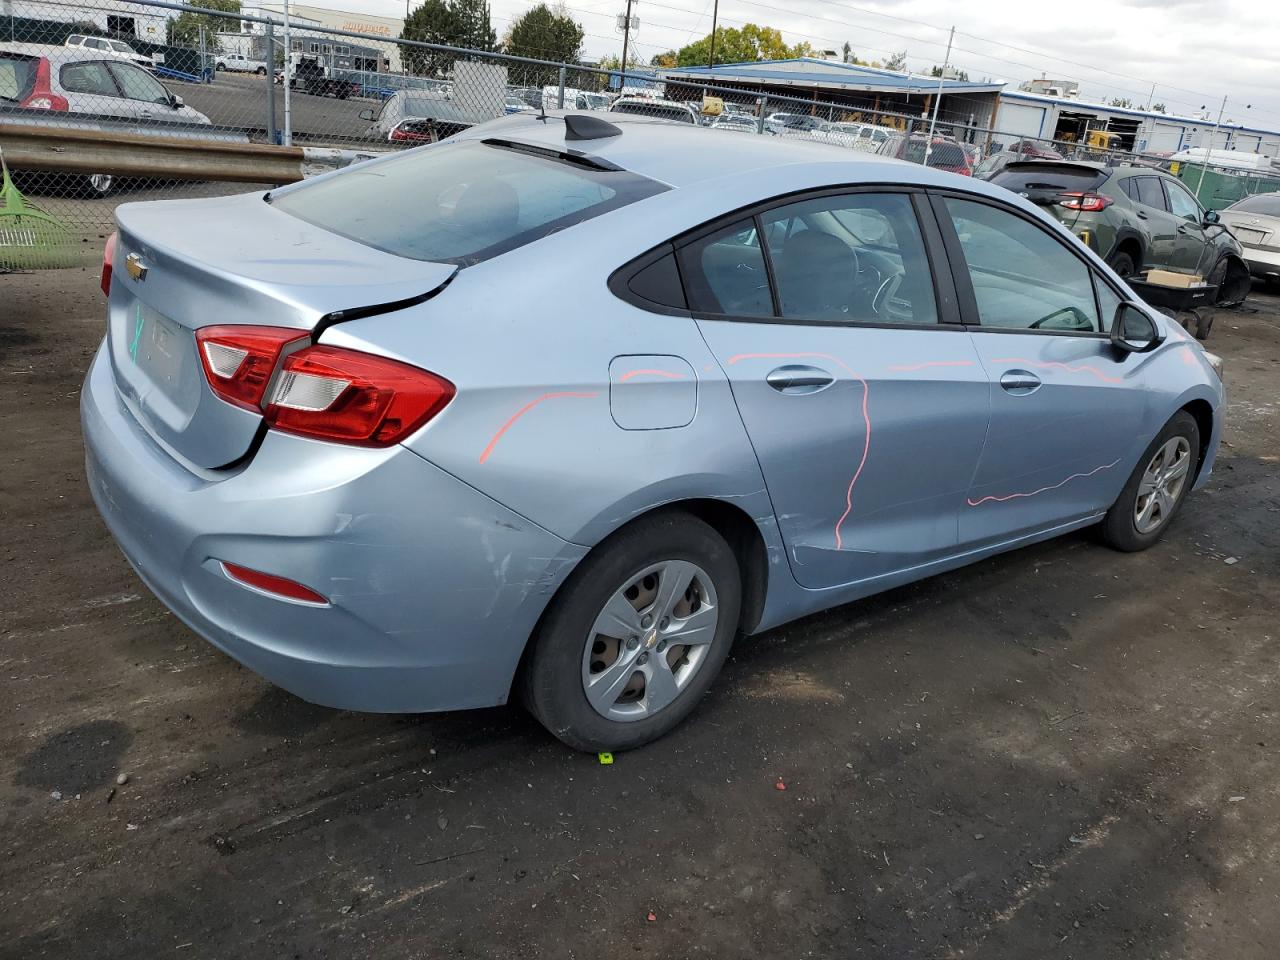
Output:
(176, 102)
(367, 115)
(1211, 217)
(1132, 331)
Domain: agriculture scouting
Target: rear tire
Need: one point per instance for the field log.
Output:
(1156, 488)
(1122, 264)
(575, 648)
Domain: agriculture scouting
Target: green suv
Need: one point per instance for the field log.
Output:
(1136, 218)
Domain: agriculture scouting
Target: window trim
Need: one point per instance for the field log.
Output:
(111, 69)
(620, 281)
(1168, 197)
(964, 284)
(945, 296)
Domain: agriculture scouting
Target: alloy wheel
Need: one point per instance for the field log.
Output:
(1162, 484)
(650, 640)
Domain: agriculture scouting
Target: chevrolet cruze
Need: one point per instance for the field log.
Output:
(559, 407)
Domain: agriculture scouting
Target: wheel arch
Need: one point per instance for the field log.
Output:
(1202, 412)
(1129, 241)
(727, 519)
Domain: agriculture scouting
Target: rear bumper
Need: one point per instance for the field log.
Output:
(433, 587)
(1262, 263)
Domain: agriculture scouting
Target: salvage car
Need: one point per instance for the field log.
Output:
(81, 82)
(1255, 223)
(604, 397)
(1135, 217)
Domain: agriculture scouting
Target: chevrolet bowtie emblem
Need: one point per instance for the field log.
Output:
(137, 269)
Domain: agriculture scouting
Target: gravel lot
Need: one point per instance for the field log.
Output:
(1062, 752)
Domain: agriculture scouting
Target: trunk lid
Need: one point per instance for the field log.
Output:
(185, 264)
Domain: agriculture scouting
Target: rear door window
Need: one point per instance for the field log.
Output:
(725, 273)
(1150, 193)
(858, 257)
(88, 76)
(460, 202)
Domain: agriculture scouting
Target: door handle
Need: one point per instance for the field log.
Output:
(1142, 216)
(799, 379)
(1019, 382)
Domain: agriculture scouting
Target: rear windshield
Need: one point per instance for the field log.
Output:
(1049, 178)
(942, 154)
(461, 202)
(17, 76)
(1266, 204)
(659, 111)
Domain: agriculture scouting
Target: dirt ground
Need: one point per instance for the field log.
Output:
(1063, 752)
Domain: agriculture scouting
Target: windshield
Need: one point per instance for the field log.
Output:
(460, 202)
(119, 47)
(942, 155)
(1052, 179)
(1265, 204)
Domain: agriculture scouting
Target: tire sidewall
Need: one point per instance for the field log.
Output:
(1118, 261)
(553, 674)
(1119, 528)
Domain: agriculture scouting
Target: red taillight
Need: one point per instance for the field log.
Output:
(239, 360)
(42, 96)
(404, 135)
(108, 257)
(272, 584)
(335, 394)
(1088, 202)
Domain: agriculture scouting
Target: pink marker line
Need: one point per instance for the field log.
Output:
(650, 373)
(1052, 364)
(1015, 496)
(522, 411)
(866, 444)
(907, 367)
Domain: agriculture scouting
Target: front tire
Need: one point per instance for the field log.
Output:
(636, 635)
(1156, 488)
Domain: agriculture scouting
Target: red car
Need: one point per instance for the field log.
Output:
(944, 154)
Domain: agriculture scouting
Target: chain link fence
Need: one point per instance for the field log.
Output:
(160, 69)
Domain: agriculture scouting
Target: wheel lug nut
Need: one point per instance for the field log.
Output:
(662, 645)
(642, 659)
(663, 623)
(633, 642)
(646, 621)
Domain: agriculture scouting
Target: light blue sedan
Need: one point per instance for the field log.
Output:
(559, 407)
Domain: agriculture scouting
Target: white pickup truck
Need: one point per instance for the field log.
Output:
(239, 63)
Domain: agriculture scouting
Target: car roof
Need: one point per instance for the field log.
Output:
(679, 154)
(48, 50)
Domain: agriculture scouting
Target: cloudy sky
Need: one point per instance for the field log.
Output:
(1195, 51)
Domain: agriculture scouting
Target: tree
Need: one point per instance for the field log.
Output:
(546, 34)
(752, 42)
(453, 23)
(184, 30)
(1158, 108)
(667, 60)
(614, 62)
(955, 74)
(1120, 102)
(847, 53)
(897, 62)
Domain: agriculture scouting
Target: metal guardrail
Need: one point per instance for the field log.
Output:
(73, 151)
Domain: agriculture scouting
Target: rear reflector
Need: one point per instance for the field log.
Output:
(272, 584)
(331, 393)
(238, 360)
(108, 258)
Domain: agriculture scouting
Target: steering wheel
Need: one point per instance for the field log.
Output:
(1082, 322)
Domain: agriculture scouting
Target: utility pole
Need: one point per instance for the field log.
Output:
(626, 38)
(715, 14)
(287, 137)
(1209, 150)
(937, 97)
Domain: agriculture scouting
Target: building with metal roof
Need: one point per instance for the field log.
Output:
(1069, 119)
(851, 86)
